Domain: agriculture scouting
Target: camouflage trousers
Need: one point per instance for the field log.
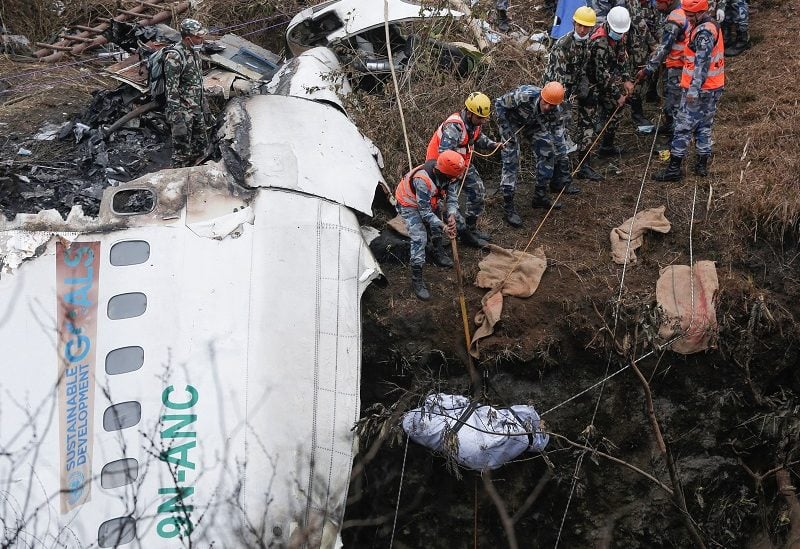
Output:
(417, 233)
(550, 150)
(188, 145)
(579, 119)
(695, 120)
(475, 193)
(737, 12)
(672, 91)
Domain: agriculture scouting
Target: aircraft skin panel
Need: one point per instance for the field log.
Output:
(248, 388)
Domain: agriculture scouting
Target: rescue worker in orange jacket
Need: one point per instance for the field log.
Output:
(674, 35)
(702, 82)
(461, 132)
(418, 195)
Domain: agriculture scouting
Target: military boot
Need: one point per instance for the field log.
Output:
(637, 116)
(569, 188)
(668, 127)
(607, 147)
(439, 254)
(418, 284)
(586, 171)
(541, 199)
(701, 165)
(503, 21)
(512, 217)
(469, 238)
(742, 43)
(672, 172)
(472, 226)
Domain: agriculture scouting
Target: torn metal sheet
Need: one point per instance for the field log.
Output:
(329, 22)
(316, 75)
(327, 157)
(246, 58)
(219, 82)
(197, 346)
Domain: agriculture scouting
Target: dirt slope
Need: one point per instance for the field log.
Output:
(719, 424)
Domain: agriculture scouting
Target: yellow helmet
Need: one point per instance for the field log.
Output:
(479, 103)
(585, 16)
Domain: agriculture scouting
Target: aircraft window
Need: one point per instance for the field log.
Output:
(119, 473)
(124, 360)
(127, 305)
(115, 532)
(133, 202)
(131, 252)
(122, 415)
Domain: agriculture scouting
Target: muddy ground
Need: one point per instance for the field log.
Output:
(729, 416)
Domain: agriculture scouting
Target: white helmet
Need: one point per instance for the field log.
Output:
(619, 19)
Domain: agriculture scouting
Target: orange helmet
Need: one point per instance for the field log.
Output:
(451, 164)
(694, 6)
(553, 92)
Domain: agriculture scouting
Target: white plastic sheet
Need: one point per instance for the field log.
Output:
(486, 438)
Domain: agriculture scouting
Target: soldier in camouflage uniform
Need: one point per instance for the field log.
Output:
(641, 42)
(461, 132)
(736, 15)
(186, 107)
(702, 81)
(567, 64)
(673, 39)
(418, 195)
(609, 72)
(602, 7)
(537, 114)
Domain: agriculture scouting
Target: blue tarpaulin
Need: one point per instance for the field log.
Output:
(563, 21)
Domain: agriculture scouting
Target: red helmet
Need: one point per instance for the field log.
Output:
(451, 164)
(553, 93)
(694, 6)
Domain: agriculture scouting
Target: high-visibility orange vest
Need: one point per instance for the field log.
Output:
(405, 193)
(463, 149)
(716, 71)
(674, 59)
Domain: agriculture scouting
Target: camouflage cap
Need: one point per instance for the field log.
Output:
(192, 27)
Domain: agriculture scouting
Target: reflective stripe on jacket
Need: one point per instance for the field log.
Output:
(463, 149)
(715, 78)
(405, 193)
(674, 59)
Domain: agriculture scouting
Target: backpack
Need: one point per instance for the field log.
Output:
(155, 69)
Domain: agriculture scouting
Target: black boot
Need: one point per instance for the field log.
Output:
(418, 285)
(607, 147)
(571, 188)
(468, 238)
(643, 125)
(701, 165)
(502, 21)
(667, 127)
(672, 172)
(586, 171)
(541, 199)
(472, 226)
(512, 217)
(742, 43)
(439, 254)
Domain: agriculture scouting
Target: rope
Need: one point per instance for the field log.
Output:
(579, 463)
(399, 492)
(547, 214)
(394, 81)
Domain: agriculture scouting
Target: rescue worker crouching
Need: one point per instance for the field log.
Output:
(461, 132)
(537, 114)
(418, 195)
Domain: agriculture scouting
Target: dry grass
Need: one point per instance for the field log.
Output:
(757, 137)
